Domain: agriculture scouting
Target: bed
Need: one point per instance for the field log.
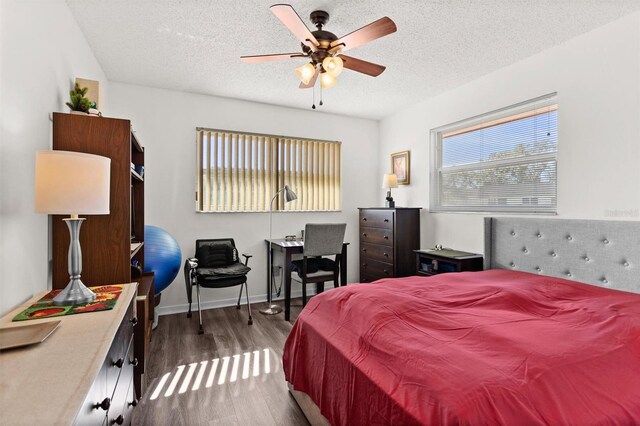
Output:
(523, 342)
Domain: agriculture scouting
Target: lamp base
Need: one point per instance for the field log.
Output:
(390, 203)
(75, 293)
(271, 310)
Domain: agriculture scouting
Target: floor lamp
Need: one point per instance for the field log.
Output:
(289, 195)
(72, 183)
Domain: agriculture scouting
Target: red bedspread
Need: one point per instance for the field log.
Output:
(475, 348)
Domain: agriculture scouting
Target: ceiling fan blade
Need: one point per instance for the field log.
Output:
(265, 58)
(312, 82)
(355, 64)
(380, 28)
(288, 16)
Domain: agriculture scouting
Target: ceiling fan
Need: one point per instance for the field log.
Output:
(324, 49)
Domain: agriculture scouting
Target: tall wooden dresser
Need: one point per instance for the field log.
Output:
(388, 237)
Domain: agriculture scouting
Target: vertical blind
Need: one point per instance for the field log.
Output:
(241, 172)
(504, 161)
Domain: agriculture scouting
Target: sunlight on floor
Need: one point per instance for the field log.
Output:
(247, 363)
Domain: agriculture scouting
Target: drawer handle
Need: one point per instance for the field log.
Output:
(119, 363)
(364, 219)
(386, 254)
(364, 234)
(134, 362)
(386, 271)
(364, 265)
(386, 220)
(105, 404)
(386, 237)
(133, 403)
(364, 250)
(118, 420)
(134, 321)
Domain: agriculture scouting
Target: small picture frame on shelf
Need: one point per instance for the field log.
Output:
(400, 166)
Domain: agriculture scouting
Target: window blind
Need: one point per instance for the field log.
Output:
(503, 161)
(241, 172)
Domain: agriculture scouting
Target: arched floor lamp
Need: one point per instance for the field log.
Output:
(289, 195)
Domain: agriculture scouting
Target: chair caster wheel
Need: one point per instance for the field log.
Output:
(250, 321)
(201, 331)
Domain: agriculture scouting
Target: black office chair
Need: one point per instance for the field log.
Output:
(320, 239)
(216, 265)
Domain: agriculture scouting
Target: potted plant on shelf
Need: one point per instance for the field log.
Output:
(79, 104)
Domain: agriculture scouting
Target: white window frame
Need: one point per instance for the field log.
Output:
(436, 153)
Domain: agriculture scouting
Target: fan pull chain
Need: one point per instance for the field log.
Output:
(314, 97)
(320, 93)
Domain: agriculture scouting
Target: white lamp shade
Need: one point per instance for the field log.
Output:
(327, 81)
(306, 72)
(390, 181)
(332, 65)
(72, 183)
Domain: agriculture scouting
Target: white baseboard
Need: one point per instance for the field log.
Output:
(223, 303)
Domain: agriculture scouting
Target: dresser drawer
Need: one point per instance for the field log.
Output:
(376, 236)
(91, 413)
(366, 278)
(376, 252)
(121, 403)
(377, 218)
(116, 357)
(374, 269)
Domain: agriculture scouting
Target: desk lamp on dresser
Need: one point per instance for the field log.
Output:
(72, 183)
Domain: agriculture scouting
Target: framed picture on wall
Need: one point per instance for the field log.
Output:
(400, 165)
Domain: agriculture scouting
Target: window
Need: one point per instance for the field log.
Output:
(241, 172)
(503, 161)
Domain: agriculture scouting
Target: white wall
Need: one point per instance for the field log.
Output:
(166, 122)
(597, 77)
(41, 52)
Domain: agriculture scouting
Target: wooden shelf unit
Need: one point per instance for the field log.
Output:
(105, 239)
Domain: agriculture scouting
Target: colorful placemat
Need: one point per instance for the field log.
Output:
(106, 298)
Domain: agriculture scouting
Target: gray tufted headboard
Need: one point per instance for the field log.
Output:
(599, 252)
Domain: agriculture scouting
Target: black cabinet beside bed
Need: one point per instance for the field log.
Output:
(431, 262)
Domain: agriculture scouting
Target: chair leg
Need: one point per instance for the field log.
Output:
(248, 304)
(240, 296)
(304, 293)
(319, 288)
(201, 329)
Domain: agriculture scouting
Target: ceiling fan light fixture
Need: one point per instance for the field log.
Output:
(327, 81)
(306, 72)
(332, 65)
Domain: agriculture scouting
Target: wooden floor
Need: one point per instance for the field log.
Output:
(231, 375)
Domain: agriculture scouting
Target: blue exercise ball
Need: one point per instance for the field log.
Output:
(162, 256)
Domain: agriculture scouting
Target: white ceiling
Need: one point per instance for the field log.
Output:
(195, 45)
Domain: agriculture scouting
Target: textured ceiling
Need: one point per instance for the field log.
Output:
(195, 45)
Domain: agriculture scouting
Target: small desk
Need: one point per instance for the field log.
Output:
(292, 247)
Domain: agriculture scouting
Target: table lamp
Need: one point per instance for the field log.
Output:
(72, 183)
(389, 181)
(289, 195)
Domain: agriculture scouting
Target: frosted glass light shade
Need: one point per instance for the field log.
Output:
(72, 183)
(390, 180)
(327, 81)
(332, 65)
(306, 72)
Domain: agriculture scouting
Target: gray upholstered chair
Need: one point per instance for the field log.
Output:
(320, 239)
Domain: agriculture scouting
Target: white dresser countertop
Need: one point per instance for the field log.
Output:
(47, 383)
